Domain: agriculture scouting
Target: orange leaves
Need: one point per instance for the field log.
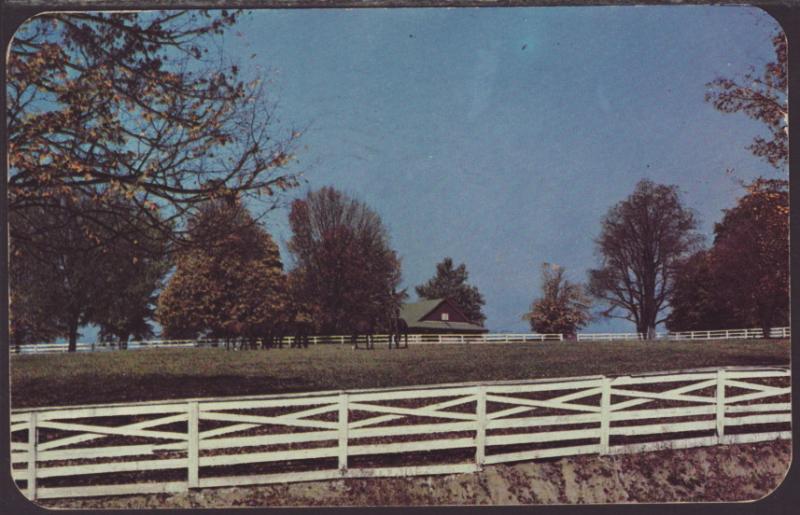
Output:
(232, 283)
(112, 108)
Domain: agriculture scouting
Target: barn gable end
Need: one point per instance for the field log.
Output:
(438, 316)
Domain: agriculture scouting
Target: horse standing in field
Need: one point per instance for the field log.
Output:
(399, 330)
(364, 327)
(302, 329)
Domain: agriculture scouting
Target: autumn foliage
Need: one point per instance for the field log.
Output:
(134, 104)
(233, 287)
(563, 307)
(345, 273)
(642, 242)
(745, 275)
(763, 97)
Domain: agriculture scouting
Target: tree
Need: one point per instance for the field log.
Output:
(31, 302)
(563, 307)
(751, 254)
(69, 272)
(233, 287)
(762, 98)
(641, 243)
(106, 104)
(345, 273)
(132, 288)
(451, 283)
(697, 304)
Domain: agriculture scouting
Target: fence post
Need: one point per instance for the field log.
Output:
(193, 453)
(720, 405)
(440, 338)
(560, 337)
(480, 432)
(605, 415)
(33, 443)
(343, 424)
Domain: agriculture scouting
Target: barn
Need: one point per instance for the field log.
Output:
(438, 316)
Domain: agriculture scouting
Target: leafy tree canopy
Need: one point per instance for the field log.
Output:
(696, 303)
(346, 273)
(68, 272)
(642, 241)
(751, 254)
(138, 105)
(762, 97)
(232, 288)
(743, 280)
(563, 307)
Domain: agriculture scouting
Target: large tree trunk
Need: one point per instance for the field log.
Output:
(73, 335)
(641, 328)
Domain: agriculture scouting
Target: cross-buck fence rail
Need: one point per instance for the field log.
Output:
(177, 445)
(421, 339)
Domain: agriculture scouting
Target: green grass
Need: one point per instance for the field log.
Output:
(102, 377)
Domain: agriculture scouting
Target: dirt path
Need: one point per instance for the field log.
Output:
(722, 473)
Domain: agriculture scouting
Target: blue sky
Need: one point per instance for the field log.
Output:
(501, 137)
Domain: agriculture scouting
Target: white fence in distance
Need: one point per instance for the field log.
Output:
(718, 334)
(378, 339)
(419, 339)
(178, 445)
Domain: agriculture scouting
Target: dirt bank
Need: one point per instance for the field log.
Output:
(722, 473)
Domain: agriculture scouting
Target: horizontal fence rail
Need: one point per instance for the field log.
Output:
(719, 334)
(178, 445)
(419, 339)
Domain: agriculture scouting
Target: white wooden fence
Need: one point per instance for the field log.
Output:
(608, 337)
(420, 339)
(379, 339)
(177, 445)
(719, 334)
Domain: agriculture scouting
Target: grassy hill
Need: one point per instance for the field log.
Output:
(122, 376)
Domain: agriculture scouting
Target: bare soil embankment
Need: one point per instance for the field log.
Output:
(721, 473)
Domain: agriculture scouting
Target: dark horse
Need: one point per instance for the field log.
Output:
(297, 324)
(302, 328)
(398, 331)
(366, 328)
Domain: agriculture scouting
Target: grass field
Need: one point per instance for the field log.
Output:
(103, 377)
